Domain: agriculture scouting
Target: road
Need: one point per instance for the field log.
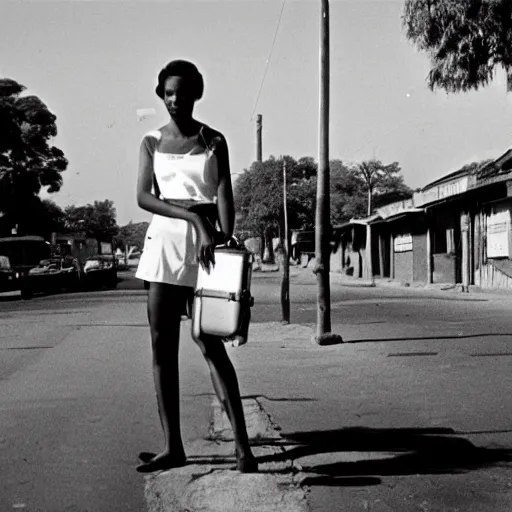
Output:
(78, 404)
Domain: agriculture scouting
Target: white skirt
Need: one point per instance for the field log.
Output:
(169, 254)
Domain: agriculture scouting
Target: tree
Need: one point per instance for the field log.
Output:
(49, 219)
(258, 193)
(132, 235)
(467, 40)
(381, 182)
(28, 162)
(259, 196)
(348, 197)
(96, 220)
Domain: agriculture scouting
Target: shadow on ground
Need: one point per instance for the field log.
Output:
(438, 337)
(433, 451)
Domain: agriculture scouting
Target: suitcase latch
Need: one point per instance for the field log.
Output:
(244, 296)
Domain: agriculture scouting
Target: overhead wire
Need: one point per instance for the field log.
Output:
(267, 63)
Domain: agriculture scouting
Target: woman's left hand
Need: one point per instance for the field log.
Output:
(208, 239)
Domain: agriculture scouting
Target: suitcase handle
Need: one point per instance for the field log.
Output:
(243, 296)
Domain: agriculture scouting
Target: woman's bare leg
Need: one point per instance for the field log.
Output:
(226, 387)
(165, 304)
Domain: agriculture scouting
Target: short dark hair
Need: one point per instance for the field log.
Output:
(186, 70)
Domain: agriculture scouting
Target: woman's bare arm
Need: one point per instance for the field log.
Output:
(225, 201)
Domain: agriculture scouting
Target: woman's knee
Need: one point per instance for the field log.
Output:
(211, 346)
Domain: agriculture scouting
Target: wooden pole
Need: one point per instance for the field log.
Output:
(259, 139)
(429, 256)
(391, 256)
(381, 257)
(369, 250)
(478, 248)
(285, 283)
(464, 225)
(322, 220)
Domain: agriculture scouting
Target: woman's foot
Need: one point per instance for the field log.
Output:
(147, 456)
(161, 462)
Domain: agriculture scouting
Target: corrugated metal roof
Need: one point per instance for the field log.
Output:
(501, 166)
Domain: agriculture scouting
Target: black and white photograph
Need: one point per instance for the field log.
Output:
(256, 255)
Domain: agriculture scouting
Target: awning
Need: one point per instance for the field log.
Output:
(403, 213)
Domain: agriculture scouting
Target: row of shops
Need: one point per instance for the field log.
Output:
(456, 230)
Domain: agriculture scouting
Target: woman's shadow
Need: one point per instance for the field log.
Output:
(408, 451)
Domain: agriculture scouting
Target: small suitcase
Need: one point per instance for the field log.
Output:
(222, 298)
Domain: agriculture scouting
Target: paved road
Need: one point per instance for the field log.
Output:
(77, 400)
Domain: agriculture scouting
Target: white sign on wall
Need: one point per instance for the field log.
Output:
(403, 243)
(442, 191)
(498, 234)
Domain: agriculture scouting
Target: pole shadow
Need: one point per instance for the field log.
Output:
(428, 338)
(409, 451)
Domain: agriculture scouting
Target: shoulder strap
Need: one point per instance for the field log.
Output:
(207, 146)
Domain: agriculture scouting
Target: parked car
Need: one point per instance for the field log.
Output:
(52, 275)
(10, 278)
(18, 254)
(100, 271)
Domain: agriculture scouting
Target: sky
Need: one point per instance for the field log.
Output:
(95, 63)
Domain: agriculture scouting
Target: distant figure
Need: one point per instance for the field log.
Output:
(184, 180)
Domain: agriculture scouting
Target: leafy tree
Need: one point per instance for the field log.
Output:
(258, 192)
(27, 160)
(132, 235)
(474, 167)
(96, 220)
(348, 197)
(49, 219)
(382, 183)
(467, 40)
(259, 196)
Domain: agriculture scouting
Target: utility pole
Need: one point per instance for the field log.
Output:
(259, 139)
(369, 248)
(285, 283)
(464, 228)
(322, 220)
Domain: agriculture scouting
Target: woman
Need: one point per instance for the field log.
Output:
(184, 180)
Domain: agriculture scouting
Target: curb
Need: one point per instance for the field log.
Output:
(209, 482)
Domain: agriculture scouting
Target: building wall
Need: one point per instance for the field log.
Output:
(403, 245)
(404, 266)
(419, 263)
(337, 259)
(443, 268)
(491, 276)
(348, 253)
(353, 264)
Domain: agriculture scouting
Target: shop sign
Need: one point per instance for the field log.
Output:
(498, 234)
(395, 208)
(403, 243)
(442, 191)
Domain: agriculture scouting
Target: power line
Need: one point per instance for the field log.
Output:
(268, 60)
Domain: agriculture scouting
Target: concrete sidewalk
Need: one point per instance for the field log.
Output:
(210, 482)
(305, 274)
(350, 428)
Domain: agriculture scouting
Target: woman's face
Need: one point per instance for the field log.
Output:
(179, 97)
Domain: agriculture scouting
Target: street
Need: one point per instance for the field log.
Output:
(416, 403)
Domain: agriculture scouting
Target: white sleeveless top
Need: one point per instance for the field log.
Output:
(169, 254)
